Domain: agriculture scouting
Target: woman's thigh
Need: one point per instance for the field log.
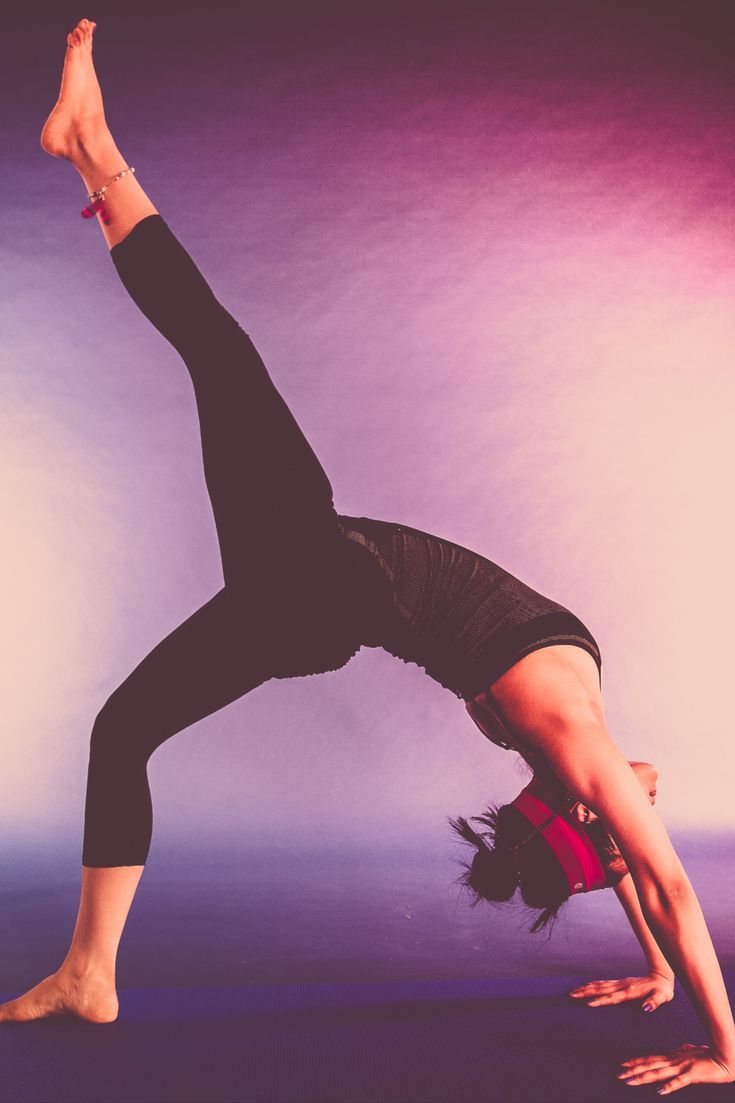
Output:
(209, 660)
(263, 477)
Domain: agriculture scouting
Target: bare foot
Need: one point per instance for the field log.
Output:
(79, 115)
(63, 993)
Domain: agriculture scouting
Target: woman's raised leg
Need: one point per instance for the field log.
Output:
(264, 479)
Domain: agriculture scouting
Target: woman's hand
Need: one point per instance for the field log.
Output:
(653, 989)
(689, 1064)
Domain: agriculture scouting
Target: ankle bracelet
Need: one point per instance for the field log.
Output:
(100, 193)
(98, 197)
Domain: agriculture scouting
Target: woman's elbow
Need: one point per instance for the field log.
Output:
(664, 892)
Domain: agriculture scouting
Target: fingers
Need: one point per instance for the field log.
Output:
(611, 998)
(593, 987)
(681, 1080)
(662, 1066)
(646, 1070)
(657, 1058)
(651, 1077)
(601, 992)
(678, 1082)
(607, 993)
(640, 1063)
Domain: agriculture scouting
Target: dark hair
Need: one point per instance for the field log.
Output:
(496, 872)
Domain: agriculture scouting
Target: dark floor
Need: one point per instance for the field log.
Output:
(338, 976)
(423, 1041)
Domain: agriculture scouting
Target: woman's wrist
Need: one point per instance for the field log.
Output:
(725, 1061)
(725, 1053)
(662, 969)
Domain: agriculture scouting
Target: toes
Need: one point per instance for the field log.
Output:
(82, 32)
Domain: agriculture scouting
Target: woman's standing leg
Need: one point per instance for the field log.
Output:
(205, 663)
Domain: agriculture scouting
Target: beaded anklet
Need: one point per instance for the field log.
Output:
(98, 198)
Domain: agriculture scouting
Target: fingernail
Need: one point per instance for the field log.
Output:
(647, 1007)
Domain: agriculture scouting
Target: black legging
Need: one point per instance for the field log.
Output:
(305, 587)
(279, 539)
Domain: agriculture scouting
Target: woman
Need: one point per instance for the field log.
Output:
(304, 589)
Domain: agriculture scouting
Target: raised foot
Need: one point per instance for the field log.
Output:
(78, 117)
(90, 998)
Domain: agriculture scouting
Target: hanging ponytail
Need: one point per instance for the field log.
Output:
(494, 872)
(514, 859)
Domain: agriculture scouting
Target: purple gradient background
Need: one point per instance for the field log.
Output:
(486, 252)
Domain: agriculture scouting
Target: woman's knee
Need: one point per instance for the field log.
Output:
(117, 733)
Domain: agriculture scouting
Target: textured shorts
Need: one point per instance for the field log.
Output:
(461, 617)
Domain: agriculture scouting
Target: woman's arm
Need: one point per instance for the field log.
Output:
(647, 776)
(656, 987)
(628, 897)
(593, 768)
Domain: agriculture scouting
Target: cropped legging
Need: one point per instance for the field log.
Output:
(265, 484)
(304, 588)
